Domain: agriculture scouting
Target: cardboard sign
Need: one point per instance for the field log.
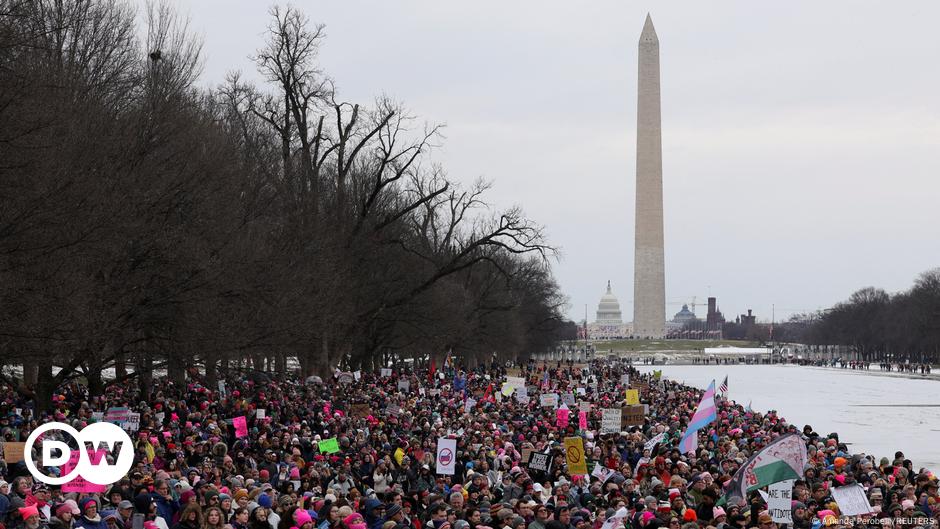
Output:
(632, 416)
(360, 410)
(328, 446)
(851, 500)
(610, 420)
(778, 501)
(574, 456)
(548, 400)
(446, 456)
(241, 426)
(13, 452)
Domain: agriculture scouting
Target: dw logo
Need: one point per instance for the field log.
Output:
(89, 441)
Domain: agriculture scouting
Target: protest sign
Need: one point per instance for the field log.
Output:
(328, 446)
(160, 416)
(386, 372)
(584, 406)
(357, 375)
(446, 455)
(80, 484)
(393, 410)
(117, 415)
(561, 417)
(539, 461)
(654, 441)
(13, 452)
(261, 413)
(98, 416)
(602, 473)
(574, 456)
(610, 420)
(633, 397)
(582, 420)
(469, 404)
(625, 379)
(616, 520)
(632, 416)
(548, 400)
(360, 410)
(221, 386)
(345, 378)
(851, 500)
(778, 501)
(132, 424)
(404, 385)
(241, 426)
(569, 400)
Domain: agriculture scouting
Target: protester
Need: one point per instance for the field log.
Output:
(360, 452)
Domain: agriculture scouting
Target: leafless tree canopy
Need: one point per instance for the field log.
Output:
(145, 223)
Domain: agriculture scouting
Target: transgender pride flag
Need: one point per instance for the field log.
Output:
(704, 414)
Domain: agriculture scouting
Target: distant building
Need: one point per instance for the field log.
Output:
(747, 319)
(609, 321)
(684, 316)
(714, 318)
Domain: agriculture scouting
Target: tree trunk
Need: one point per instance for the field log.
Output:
(45, 386)
(120, 365)
(212, 374)
(30, 374)
(95, 382)
(176, 370)
(144, 369)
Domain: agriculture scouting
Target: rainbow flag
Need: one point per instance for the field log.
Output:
(704, 414)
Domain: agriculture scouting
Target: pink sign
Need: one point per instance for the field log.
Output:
(582, 420)
(561, 417)
(80, 484)
(241, 426)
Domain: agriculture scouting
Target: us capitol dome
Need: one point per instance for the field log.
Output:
(609, 321)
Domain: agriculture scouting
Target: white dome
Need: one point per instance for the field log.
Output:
(608, 310)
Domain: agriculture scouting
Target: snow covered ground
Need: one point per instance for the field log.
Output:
(876, 414)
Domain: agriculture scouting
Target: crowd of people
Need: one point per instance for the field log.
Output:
(193, 470)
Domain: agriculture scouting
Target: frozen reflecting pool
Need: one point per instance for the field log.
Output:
(874, 413)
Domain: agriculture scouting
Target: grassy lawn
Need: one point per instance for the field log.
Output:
(653, 346)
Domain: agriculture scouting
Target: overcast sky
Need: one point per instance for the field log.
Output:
(801, 140)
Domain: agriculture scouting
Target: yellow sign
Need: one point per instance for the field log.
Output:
(633, 397)
(658, 374)
(399, 455)
(574, 456)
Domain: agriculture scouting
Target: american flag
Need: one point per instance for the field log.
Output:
(724, 385)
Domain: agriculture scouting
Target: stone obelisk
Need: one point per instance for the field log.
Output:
(649, 275)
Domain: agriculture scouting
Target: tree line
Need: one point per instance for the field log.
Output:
(877, 325)
(146, 223)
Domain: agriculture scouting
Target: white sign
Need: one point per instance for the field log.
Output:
(97, 416)
(516, 382)
(654, 441)
(469, 404)
(851, 500)
(625, 380)
(616, 520)
(357, 375)
(610, 421)
(548, 400)
(404, 385)
(132, 424)
(386, 372)
(581, 391)
(602, 473)
(522, 393)
(160, 417)
(222, 387)
(584, 406)
(778, 501)
(446, 456)
(261, 413)
(569, 400)
(393, 409)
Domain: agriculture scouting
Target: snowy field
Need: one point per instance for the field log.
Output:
(873, 413)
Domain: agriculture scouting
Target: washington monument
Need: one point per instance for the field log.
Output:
(649, 275)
